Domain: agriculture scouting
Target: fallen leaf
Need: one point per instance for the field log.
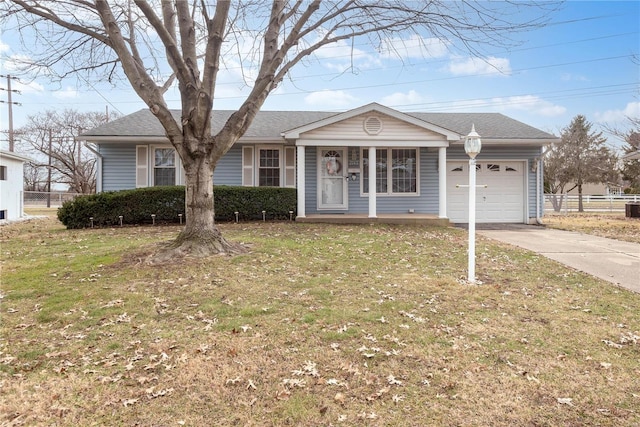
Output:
(565, 401)
(129, 402)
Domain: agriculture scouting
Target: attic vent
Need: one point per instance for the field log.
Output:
(372, 125)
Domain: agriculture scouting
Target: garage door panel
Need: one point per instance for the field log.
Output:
(501, 201)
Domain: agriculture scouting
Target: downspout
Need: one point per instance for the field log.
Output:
(98, 168)
(538, 173)
(539, 165)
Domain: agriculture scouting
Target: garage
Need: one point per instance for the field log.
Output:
(501, 201)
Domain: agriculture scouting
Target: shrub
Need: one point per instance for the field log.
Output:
(137, 206)
(249, 202)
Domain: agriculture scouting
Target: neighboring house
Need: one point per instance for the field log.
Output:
(602, 189)
(419, 161)
(11, 185)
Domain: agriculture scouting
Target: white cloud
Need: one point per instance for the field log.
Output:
(342, 56)
(631, 110)
(475, 66)
(399, 99)
(330, 99)
(66, 93)
(413, 47)
(529, 103)
(30, 87)
(567, 77)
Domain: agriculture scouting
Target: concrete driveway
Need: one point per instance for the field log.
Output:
(612, 260)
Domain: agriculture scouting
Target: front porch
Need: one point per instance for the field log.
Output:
(400, 218)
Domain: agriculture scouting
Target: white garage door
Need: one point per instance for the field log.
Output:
(501, 201)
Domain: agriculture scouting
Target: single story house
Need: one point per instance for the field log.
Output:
(419, 165)
(11, 185)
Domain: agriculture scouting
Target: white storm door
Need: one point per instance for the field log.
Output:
(332, 185)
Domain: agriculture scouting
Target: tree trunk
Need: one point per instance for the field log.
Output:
(200, 236)
(556, 202)
(580, 206)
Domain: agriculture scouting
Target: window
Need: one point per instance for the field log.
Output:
(402, 175)
(269, 167)
(164, 166)
(493, 167)
(3, 173)
(403, 171)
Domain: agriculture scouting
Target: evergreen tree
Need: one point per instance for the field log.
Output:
(580, 157)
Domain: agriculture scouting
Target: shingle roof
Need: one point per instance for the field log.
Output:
(271, 124)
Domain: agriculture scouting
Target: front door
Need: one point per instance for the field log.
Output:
(332, 185)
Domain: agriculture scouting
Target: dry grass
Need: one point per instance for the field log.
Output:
(319, 325)
(614, 226)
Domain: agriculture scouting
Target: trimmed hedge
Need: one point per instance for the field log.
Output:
(137, 206)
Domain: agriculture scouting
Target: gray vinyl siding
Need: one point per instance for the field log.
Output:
(426, 202)
(118, 166)
(229, 168)
(528, 154)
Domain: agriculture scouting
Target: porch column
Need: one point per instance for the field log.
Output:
(442, 182)
(372, 182)
(300, 184)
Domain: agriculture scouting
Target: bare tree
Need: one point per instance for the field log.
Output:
(630, 169)
(35, 177)
(159, 42)
(580, 157)
(52, 135)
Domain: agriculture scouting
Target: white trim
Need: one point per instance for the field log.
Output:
(256, 171)
(152, 164)
(520, 142)
(369, 142)
(11, 155)
(372, 183)
(442, 182)
(345, 188)
(301, 181)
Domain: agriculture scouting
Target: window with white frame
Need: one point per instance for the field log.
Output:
(3, 173)
(269, 167)
(164, 166)
(396, 171)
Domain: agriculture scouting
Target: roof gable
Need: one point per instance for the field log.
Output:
(368, 109)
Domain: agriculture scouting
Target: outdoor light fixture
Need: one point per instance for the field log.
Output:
(472, 146)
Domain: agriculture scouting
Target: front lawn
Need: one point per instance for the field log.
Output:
(611, 225)
(318, 325)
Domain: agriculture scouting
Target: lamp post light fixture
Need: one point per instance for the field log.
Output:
(472, 146)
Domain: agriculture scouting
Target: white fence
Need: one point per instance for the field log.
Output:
(565, 203)
(52, 199)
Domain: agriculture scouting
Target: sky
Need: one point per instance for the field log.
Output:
(585, 61)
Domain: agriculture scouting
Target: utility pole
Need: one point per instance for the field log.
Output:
(49, 179)
(10, 104)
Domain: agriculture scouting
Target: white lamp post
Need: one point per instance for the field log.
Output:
(472, 146)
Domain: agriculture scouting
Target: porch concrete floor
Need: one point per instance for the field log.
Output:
(405, 218)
